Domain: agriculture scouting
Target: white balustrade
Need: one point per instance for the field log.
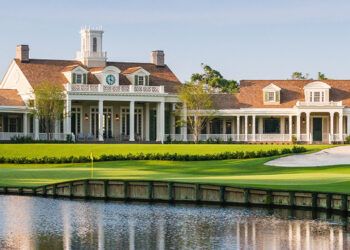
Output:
(113, 89)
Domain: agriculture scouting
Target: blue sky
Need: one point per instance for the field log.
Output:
(242, 39)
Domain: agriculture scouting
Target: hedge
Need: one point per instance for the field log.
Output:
(156, 156)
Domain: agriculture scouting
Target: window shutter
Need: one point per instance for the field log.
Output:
(136, 80)
(278, 96)
(266, 96)
(84, 78)
(146, 80)
(74, 78)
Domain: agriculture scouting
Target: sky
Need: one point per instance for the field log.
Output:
(242, 39)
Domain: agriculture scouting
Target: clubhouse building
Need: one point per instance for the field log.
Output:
(130, 101)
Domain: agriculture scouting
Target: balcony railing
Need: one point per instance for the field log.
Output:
(114, 89)
(308, 104)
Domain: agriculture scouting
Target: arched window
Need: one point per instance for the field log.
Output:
(94, 44)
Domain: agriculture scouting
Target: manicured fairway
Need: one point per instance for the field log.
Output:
(251, 173)
(40, 150)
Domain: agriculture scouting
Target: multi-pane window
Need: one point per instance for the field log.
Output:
(78, 78)
(317, 96)
(141, 80)
(76, 120)
(271, 96)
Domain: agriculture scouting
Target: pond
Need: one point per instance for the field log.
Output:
(45, 223)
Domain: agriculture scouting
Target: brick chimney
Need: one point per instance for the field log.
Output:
(22, 53)
(157, 57)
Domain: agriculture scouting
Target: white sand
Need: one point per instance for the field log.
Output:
(326, 157)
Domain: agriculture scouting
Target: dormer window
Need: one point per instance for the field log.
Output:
(78, 78)
(271, 94)
(317, 92)
(141, 80)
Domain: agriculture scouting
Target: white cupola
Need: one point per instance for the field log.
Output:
(91, 53)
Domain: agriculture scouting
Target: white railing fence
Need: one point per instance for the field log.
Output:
(113, 89)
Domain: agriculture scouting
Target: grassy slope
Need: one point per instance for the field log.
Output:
(37, 150)
(250, 173)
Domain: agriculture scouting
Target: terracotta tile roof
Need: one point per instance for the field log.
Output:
(41, 70)
(10, 97)
(225, 101)
(131, 70)
(251, 92)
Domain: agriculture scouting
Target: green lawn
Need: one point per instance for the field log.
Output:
(247, 173)
(39, 150)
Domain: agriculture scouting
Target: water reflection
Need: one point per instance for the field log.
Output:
(38, 223)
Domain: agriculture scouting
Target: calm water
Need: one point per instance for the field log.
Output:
(39, 223)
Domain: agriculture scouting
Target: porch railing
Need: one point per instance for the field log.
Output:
(7, 136)
(113, 89)
(233, 137)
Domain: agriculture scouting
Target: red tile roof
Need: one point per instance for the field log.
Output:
(10, 97)
(41, 70)
(251, 92)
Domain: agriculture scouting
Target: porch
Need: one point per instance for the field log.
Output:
(306, 127)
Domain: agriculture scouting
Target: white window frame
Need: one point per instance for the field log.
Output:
(79, 76)
(273, 96)
(142, 78)
(317, 96)
(78, 109)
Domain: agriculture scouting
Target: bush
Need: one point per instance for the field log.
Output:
(21, 139)
(347, 140)
(156, 156)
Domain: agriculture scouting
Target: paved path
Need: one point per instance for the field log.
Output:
(326, 157)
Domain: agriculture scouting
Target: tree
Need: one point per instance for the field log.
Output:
(299, 76)
(197, 99)
(321, 76)
(48, 105)
(213, 79)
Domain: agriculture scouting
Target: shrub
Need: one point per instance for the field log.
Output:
(347, 140)
(156, 156)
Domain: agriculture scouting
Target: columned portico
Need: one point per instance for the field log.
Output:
(308, 139)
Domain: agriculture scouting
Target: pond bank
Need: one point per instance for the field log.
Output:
(175, 192)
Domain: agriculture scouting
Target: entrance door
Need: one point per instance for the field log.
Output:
(317, 129)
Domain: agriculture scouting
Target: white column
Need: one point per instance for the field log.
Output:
(132, 121)
(224, 126)
(238, 128)
(57, 126)
(245, 128)
(331, 115)
(308, 127)
(172, 120)
(232, 126)
(290, 127)
(298, 127)
(147, 122)
(261, 125)
(184, 125)
(161, 121)
(340, 131)
(253, 127)
(283, 125)
(36, 128)
(348, 125)
(68, 121)
(100, 120)
(25, 124)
